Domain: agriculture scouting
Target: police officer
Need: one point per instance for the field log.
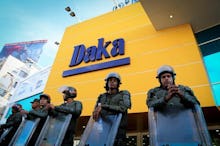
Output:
(114, 101)
(41, 111)
(35, 112)
(13, 121)
(22, 111)
(35, 104)
(70, 106)
(168, 94)
(44, 109)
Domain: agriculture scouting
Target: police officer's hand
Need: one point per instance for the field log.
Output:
(24, 112)
(172, 90)
(180, 94)
(96, 113)
(49, 106)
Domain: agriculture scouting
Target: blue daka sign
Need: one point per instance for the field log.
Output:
(93, 53)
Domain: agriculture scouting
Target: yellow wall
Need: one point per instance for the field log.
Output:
(147, 48)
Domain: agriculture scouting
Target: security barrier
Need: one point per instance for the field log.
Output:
(178, 127)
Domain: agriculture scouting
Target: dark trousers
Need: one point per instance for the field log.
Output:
(120, 142)
(68, 138)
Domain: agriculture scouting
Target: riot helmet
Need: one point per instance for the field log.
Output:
(68, 92)
(165, 69)
(112, 75)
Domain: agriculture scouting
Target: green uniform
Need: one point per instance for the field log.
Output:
(13, 121)
(37, 113)
(156, 96)
(74, 108)
(114, 104)
(41, 113)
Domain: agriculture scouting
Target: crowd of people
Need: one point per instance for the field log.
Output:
(112, 101)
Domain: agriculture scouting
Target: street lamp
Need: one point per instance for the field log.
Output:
(56, 43)
(68, 9)
(72, 14)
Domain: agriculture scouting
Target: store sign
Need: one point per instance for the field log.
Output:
(122, 3)
(96, 53)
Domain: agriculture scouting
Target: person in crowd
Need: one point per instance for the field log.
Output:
(20, 107)
(13, 121)
(33, 113)
(70, 106)
(35, 104)
(40, 109)
(22, 111)
(112, 102)
(172, 105)
(168, 94)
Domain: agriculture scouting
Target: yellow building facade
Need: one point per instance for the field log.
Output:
(143, 50)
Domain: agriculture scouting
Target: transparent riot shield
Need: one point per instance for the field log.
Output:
(54, 130)
(5, 133)
(24, 132)
(178, 127)
(101, 132)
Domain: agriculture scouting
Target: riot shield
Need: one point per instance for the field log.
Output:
(178, 127)
(54, 130)
(5, 133)
(101, 132)
(24, 132)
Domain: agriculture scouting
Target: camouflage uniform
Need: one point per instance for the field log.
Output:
(113, 104)
(156, 98)
(74, 108)
(14, 121)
